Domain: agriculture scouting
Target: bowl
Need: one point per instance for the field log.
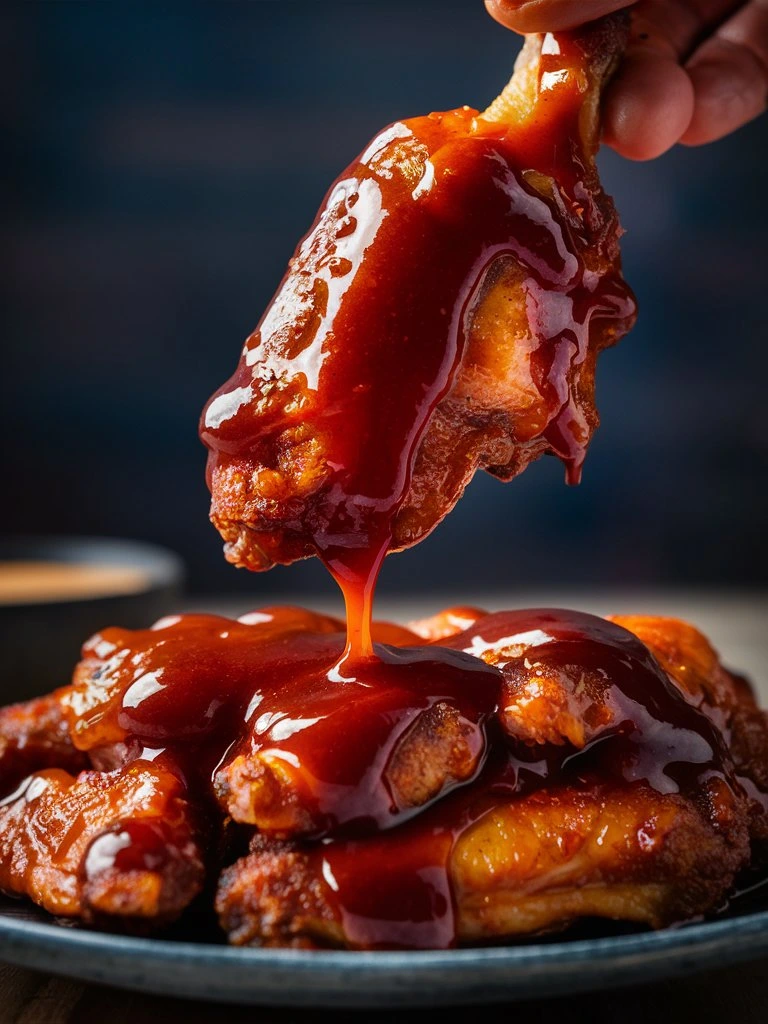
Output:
(55, 592)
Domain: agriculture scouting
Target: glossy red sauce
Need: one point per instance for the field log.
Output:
(652, 735)
(368, 327)
(134, 846)
(208, 688)
(361, 343)
(199, 690)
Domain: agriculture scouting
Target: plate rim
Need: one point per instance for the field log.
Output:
(379, 978)
(683, 936)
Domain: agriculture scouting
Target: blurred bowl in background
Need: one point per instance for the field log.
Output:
(55, 592)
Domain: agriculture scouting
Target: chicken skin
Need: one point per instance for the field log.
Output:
(527, 867)
(120, 849)
(444, 314)
(727, 699)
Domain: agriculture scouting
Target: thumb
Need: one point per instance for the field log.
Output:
(550, 15)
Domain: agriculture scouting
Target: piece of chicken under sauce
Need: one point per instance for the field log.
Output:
(638, 794)
(443, 314)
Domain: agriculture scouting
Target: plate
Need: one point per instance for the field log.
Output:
(189, 965)
(284, 977)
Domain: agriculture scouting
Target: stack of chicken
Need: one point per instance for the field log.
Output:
(477, 776)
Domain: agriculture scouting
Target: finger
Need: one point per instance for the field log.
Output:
(677, 26)
(650, 103)
(729, 73)
(648, 106)
(550, 15)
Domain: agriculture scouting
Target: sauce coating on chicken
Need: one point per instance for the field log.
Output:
(444, 312)
(381, 774)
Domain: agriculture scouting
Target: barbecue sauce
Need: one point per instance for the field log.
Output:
(359, 347)
(197, 690)
(339, 382)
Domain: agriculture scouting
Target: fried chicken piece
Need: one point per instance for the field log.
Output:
(275, 897)
(574, 679)
(120, 849)
(444, 314)
(400, 749)
(194, 654)
(628, 801)
(727, 699)
(629, 854)
(527, 866)
(551, 697)
(35, 735)
(438, 751)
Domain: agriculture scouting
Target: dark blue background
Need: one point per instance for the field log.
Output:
(161, 162)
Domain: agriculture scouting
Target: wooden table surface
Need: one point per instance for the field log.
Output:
(737, 624)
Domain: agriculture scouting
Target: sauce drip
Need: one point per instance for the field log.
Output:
(327, 409)
(324, 418)
(208, 689)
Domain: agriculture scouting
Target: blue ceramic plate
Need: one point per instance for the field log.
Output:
(200, 970)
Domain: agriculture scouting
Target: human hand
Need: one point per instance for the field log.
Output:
(694, 70)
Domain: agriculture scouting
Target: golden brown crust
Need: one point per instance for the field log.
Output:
(117, 848)
(631, 854)
(528, 866)
(728, 700)
(273, 897)
(436, 752)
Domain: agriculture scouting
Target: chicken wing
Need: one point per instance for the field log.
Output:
(444, 314)
(122, 849)
(624, 798)
(525, 867)
(428, 755)
(727, 699)
(35, 735)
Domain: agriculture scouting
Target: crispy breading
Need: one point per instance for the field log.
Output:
(118, 848)
(528, 866)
